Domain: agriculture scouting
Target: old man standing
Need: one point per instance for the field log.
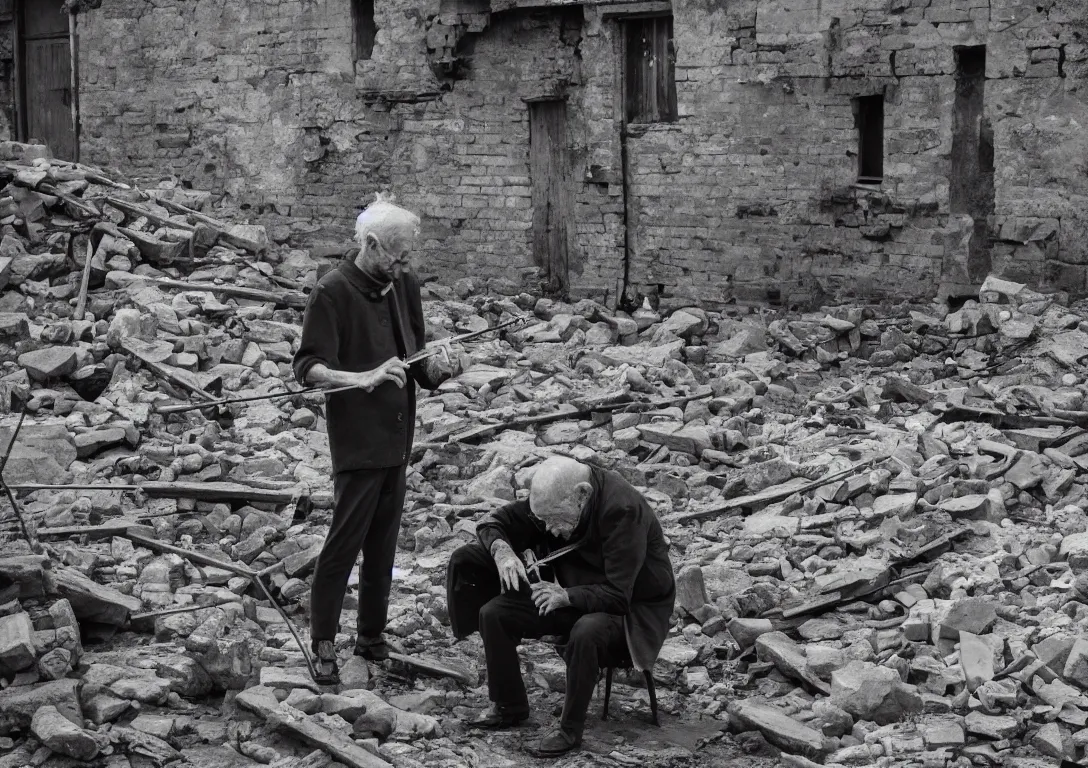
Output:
(612, 597)
(363, 320)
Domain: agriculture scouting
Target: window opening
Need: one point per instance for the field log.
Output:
(651, 70)
(362, 12)
(869, 111)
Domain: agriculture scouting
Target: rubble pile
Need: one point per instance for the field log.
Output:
(877, 515)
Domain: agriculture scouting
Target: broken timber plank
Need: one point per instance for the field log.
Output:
(292, 299)
(571, 412)
(154, 250)
(188, 554)
(287, 718)
(776, 493)
(221, 228)
(897, 388)
(184, 379)
(180, 490)
(84, 283)
(219, 492)
(173, 611)
(94, 532)
(132, 209)
(434, 667)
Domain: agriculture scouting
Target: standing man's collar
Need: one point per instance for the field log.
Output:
(364, 282)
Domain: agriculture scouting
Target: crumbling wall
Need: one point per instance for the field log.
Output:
(261, 102)
(751, 193)
(7, 70)
(463, 160)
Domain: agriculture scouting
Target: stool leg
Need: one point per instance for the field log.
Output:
(607, 692)
(648, 675)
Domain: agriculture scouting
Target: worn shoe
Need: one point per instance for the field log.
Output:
(500, 716)
(373, 648)
(326, 670)
(556, 743)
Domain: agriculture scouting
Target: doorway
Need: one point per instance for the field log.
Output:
(47, 98)
(553, 205)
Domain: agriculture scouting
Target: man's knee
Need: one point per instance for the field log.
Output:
(593, 629)
(468, 554)
(492, 614)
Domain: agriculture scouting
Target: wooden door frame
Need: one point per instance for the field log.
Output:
(19, 51)
(566, 177)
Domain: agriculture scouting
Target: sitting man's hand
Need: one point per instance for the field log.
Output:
(549, 597)
(511, 569)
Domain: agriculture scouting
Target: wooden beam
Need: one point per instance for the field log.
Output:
(293, 299)
(184, 379)
(222, 228)
(287, 718)
(179, 490)
(132, 209)
(94, 532)
(776, 493)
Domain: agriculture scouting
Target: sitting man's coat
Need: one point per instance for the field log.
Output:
(620, 565)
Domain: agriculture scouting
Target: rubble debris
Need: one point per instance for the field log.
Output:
(877, 513)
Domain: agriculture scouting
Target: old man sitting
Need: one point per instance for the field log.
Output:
(612, 597)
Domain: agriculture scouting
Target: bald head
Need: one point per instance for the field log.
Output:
(558, 494)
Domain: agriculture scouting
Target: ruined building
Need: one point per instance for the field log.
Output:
(724, 150)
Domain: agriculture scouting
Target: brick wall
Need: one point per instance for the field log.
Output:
(750, 194)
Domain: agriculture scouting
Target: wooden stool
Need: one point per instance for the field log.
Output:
(560, 645)
(647, 675)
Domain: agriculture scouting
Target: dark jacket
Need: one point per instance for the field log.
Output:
(622, 564)
(350, 326)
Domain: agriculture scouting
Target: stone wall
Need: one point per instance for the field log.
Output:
(749, 194)
(259, 102)
(752, 191)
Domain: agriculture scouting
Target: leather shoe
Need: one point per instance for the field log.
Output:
(326, 671)
(499, 717)
(373, 648)
(556, 743)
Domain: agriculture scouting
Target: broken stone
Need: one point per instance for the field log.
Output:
(691, 589)
(91, 601)
(16, 643)
(875, 693)
(1050, 741)
(1076, 665)
(779, 728)
(19, 703)
(788, 657)
(972, 615)
(977, 660)
(57, 732)
(677, 436)
(992, 726)
(746, 631)
(49, 363)
(943, 734)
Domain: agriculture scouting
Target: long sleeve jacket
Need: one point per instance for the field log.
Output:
(350, 326)
(621, 565)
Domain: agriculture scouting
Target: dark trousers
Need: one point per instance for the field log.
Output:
(595, 640)
(366, 518)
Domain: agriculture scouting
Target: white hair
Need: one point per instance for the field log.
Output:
(389, 223)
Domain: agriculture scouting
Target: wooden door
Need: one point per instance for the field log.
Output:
(48, 98)
(553, 208)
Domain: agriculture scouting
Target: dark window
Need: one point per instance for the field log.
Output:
(651, 70)
(362, 12)
(869, 115)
